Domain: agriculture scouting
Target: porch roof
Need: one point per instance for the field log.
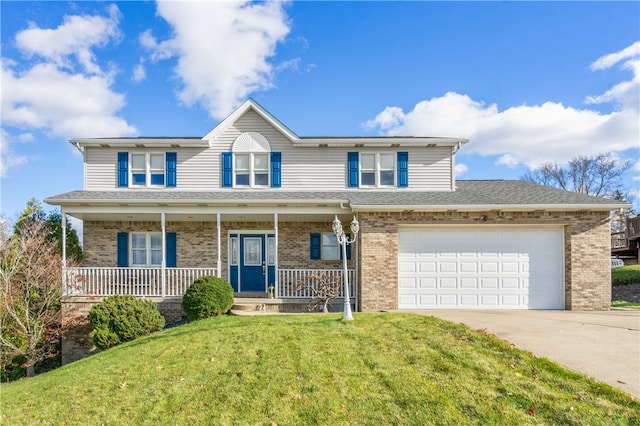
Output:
(470, 195)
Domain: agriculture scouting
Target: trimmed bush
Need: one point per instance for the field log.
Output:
(207, 297)
(118, 319)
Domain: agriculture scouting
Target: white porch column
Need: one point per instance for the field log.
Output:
(219, 261)
(63, 215)
(275, 255)
(164, 255)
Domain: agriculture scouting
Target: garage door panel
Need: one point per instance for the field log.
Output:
(429, 283)
(468, 283)
(407, 283)
(481, 268)
(446, 266)
(448, 282)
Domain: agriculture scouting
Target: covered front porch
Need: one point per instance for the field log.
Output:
(157, 252)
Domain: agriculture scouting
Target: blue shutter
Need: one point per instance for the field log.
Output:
(352, 160)
(315, 247)
(227, 169)
(403, 169)
(171, 247)
(172, 165)
(123, 249)
(123, 169)
(276, 170)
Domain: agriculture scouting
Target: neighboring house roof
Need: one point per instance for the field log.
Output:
(469, 195)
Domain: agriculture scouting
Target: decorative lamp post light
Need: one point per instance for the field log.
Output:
(344, 240)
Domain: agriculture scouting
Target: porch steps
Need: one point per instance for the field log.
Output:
(266, 305)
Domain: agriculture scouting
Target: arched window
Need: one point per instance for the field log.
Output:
(251, 160)
(251, 164)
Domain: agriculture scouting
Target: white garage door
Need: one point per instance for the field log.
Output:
(467, 268)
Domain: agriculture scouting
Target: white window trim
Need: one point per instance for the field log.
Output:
(252, 170)
(378, 170)
(147, 164)
(147, 249)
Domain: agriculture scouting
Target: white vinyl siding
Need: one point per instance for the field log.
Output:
(303, 169)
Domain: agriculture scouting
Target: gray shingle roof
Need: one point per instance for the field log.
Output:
(469, 194)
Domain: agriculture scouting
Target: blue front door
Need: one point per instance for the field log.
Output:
(252, 266)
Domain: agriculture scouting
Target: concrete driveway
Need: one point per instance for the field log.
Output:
(603, 344)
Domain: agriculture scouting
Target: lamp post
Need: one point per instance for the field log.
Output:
(344, 240)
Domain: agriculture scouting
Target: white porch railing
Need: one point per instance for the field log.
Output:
(288, 280)
(147, 282)
(135, 281)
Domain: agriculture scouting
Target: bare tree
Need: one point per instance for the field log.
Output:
(600, 175)
(323, 286)
(30, 291)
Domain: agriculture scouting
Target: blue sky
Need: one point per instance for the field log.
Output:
(526, 82)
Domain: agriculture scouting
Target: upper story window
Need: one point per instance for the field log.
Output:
(251, 169)
(251, 164)
(379, 169)
(145, 169)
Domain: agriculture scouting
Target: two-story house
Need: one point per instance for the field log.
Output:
(253, 202)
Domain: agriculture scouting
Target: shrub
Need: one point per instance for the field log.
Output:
(118, 319)
(629, 274)
(207, 297)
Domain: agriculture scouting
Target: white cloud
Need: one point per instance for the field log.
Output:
(8, 159)
(75, 38)
(222, 48)
(461, 169)
(62, 104)
(139, 73)
(526, 134)
(65, 93)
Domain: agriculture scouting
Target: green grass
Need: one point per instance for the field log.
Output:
(623, 304)
(316, 369)
(629, 274)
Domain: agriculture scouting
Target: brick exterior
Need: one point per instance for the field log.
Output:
(586, 260)
(197, 242)
(77, 343)
(586, 235)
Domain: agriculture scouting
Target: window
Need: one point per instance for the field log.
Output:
(146, 249)
(325, 247)
(377, 169)
(271, 251)
(251, 163)
(251, 169)
(381, 169)
(234, 251)
(142, 170)
(330, 248)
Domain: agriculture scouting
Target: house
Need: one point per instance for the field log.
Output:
(625, 244)
(253, 202)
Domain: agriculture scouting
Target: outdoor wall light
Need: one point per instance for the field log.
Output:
(344, 240)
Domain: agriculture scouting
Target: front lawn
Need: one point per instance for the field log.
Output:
(629, 274)
(383, 368)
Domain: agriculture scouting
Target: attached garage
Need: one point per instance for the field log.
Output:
(487, 268)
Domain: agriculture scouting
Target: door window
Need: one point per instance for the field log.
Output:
(252, 251)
